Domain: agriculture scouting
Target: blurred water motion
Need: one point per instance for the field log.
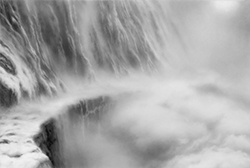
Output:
(174, 76)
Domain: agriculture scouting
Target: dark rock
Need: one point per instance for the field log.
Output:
(8, 96)
(51, 136)
(7, 64)
(4, 141)
(48, 142)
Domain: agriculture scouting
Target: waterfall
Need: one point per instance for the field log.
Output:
(124, 84)
(43, 41)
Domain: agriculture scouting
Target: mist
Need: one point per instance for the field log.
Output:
(176, 75)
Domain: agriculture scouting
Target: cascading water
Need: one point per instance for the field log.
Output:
(127, 84)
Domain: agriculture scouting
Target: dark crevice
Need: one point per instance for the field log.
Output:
(50, 138)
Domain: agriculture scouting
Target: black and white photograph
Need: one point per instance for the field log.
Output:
(124, 83)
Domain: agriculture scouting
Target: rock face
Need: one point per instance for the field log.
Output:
(17, 79)
(7, 64)
(52, 132)
(17, 148)
(9, 82)
(35, 137)
(8, 97)
(48, 141)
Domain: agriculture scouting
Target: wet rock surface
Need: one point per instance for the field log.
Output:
(30, 137)
(50, 138)
(7, 64)
(17, 148)
(8, 96)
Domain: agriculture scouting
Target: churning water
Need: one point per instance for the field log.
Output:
(166, 81)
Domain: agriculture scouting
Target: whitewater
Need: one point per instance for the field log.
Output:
(124, 84)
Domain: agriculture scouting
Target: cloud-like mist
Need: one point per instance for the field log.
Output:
(191, 121)
(171, 123)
